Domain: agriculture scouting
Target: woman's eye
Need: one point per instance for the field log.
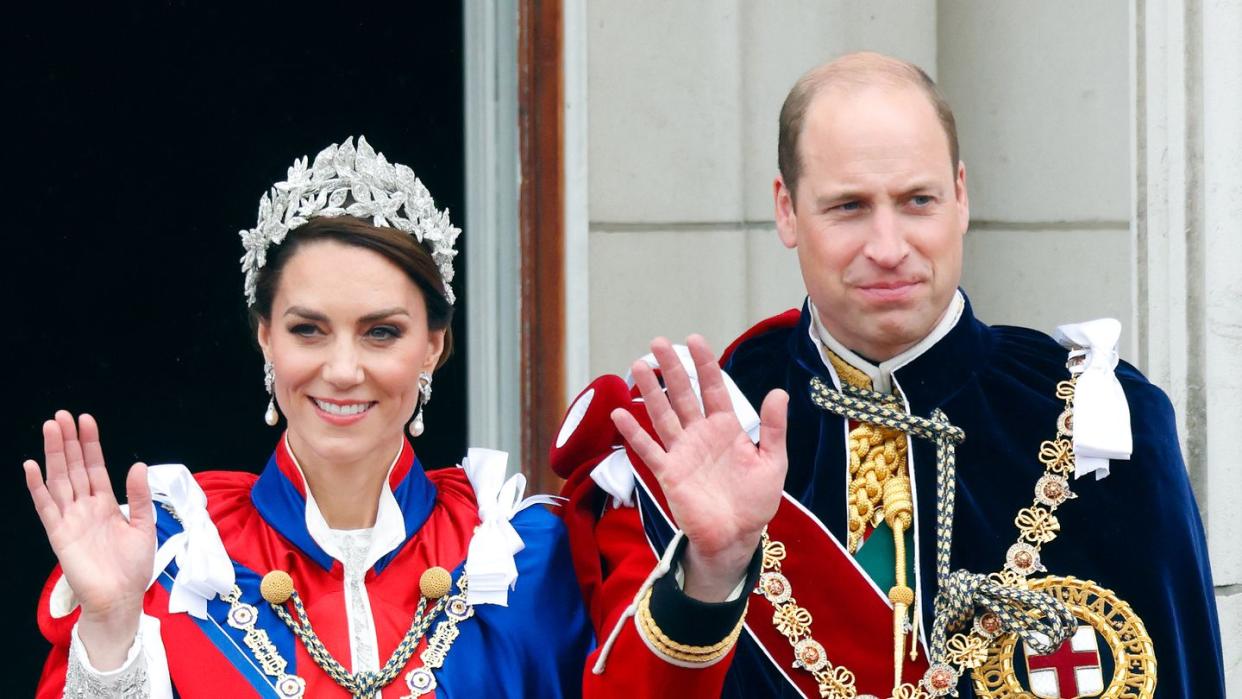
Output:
(304, 329)
(383, 332)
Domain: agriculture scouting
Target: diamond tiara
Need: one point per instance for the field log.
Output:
(348, 181)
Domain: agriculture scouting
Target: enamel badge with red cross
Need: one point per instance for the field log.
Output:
(1071, 671)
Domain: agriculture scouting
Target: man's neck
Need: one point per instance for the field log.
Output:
(881, 373)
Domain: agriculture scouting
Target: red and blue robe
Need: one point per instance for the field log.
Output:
(534, 647)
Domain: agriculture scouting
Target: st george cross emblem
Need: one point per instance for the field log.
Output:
(1069, 672)
(1073, 670)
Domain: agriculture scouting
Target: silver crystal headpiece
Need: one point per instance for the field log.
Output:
(356, 182)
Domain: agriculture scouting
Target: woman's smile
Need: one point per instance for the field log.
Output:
(341, 412)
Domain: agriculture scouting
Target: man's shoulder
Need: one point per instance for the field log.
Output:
(1019, 348)
(762, 338)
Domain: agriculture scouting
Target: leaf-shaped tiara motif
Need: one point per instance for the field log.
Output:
(356, 182)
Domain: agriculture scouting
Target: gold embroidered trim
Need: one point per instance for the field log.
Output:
(681, 651)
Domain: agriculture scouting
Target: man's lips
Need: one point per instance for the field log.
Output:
(889, 290)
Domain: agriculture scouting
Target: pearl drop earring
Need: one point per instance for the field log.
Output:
(271, 417)
(424, 389)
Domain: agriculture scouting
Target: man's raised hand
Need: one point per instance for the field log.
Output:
(722, 489)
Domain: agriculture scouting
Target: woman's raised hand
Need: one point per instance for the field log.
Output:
(106, 558)
(722, 489)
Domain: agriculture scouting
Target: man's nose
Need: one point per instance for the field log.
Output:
(342, 368)
(886, 246)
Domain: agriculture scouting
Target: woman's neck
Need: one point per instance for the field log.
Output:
(347, 494)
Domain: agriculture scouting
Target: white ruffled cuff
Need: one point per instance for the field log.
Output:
(130, 681)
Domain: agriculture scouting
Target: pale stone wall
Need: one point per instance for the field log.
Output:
(1104, 163)
(682, 101)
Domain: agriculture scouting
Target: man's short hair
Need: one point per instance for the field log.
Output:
(853, 70)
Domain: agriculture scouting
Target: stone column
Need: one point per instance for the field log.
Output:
(1188, 262)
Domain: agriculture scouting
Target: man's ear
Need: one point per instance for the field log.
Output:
(786, 217)
(962, 197)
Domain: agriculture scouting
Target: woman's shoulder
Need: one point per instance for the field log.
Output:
(453, 487)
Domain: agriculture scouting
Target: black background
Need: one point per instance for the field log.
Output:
(139, 140)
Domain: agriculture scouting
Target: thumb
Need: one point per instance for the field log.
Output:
(773, 416)
(138, 492)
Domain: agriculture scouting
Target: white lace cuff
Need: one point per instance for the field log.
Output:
(130, 681)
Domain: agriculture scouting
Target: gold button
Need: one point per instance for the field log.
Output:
(276, 587)
(435, 582)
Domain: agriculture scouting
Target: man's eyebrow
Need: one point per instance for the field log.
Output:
(841, 195)
(922, 185)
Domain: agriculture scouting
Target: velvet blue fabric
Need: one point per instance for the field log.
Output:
(536, 646)
(1137, 532)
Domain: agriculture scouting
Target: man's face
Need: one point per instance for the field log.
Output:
(879, 218)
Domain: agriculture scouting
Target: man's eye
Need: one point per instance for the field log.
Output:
(849, 206)
(921, 200)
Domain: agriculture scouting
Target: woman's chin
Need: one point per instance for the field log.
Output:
(342, 446)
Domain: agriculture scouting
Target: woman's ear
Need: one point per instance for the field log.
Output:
(435, 348)
(264, 335)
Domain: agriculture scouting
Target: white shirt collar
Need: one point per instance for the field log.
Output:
(882, 375)
(387, 534)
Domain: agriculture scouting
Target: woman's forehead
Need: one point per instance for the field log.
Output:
(338, 279)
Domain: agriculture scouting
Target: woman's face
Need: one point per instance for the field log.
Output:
(347, 337)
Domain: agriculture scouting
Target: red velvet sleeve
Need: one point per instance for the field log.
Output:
(632, 670)
(56, 631)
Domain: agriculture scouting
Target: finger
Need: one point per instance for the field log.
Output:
(773, 416)
(92, 453)
(677, 381)
(678, 384)
(54, 455)
(711, 379)
(48, 511)
(647, 448)
(74, 464)
(138, 494)
(663, 419)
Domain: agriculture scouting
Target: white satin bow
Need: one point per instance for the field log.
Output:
(489, 561)
(1101, 413)
(204, 569)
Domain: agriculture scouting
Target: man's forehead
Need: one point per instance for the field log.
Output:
(870, 121)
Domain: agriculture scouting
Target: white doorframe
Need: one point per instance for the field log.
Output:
(493, 257)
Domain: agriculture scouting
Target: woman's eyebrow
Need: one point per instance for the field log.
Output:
(380, 315)
(306, 313)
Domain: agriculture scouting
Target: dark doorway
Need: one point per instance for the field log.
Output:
(140, 140)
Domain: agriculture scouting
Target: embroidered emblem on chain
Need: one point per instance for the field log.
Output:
(435, 584)
(1073, 667)
(243, 616)
(420, 680)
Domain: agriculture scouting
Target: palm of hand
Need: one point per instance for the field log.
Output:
(720, 487)
(106, 558)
